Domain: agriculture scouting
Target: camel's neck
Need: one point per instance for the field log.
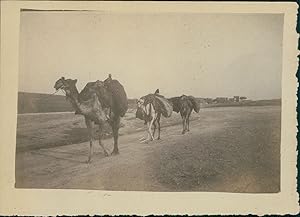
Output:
(73, 97)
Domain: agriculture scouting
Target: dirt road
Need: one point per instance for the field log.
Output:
(228, 150)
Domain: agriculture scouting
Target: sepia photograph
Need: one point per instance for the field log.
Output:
(149, 102)
(157, 103)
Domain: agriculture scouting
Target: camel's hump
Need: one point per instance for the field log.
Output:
(119, 96)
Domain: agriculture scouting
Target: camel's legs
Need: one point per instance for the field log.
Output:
(148, 133)
(115, 129)
(183, 124)
(182, 121)
(188, 121)
(89, 125)
(100, 138)
(150, 128)
(154, 126)
(158, 123)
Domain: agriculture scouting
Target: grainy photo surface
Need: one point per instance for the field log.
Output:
(160, 102)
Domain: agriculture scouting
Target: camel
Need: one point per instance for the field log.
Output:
(98, 103)
(185, 105)
(151, 117)
(149, 109)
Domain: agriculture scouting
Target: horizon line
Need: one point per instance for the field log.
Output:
(168, 97)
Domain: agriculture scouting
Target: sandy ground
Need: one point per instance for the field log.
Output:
(232, 149)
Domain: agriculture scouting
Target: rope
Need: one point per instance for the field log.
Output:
(52, 94)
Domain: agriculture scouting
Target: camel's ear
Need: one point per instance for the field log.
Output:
(63, 78)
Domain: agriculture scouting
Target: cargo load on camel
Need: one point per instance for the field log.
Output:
(196, 105)
(160, 104)
(110, 93)
(178, 101)
(150, 108)
(119, 96)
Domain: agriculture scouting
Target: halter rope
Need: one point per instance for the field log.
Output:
(52, 94)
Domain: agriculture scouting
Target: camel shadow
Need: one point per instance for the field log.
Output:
(78, 134)
(70, 156)
(50, 154)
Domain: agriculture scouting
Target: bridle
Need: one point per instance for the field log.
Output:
(61, 88)
(52, 94)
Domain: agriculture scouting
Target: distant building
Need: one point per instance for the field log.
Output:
(231, 99)
(242, 98)
(221, 100)
(226, 99)
(236, 98)
(208, 100)
(202, 100)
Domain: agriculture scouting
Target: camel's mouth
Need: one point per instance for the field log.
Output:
(59, 85)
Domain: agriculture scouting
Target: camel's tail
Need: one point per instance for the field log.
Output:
(196, 104)
(176, 103)
(165, 106)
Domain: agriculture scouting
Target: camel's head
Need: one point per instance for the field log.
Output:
(140, 102)
(67, 85)
(140, 113)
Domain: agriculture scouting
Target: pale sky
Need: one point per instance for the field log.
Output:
(205, 55)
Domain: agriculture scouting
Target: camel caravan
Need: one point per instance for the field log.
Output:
(106, 101)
